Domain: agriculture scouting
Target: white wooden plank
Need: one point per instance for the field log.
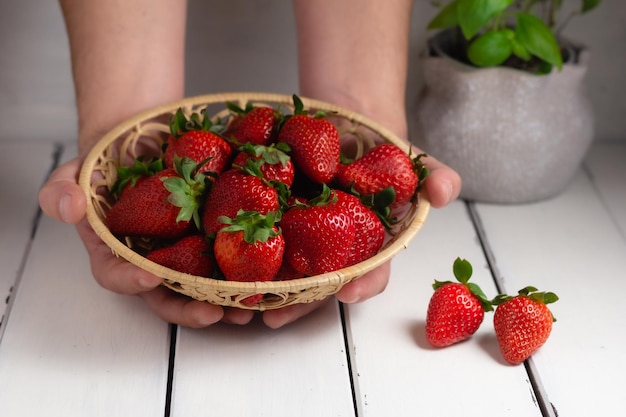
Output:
(398, 372)
(606, 162)
(72, 348)
(570, 245)
(299, 370)
(23, 167)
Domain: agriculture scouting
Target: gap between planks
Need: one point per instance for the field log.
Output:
(545, 406)
(4, 319)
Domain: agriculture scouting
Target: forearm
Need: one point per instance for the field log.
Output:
(355, 54)
(127, 56)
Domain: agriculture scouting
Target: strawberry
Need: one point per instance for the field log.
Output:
(522, 323)
(314, 142)
(191, 255)
(234, 190)
(127, 176)
(385, 165)
(160, 206)
(249, 248)
(257, 125)
(456, 309)
(273, 161)
(369, 230)
(197, 138)
(319, 236)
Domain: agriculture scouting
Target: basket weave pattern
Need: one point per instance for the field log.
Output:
(144, 134)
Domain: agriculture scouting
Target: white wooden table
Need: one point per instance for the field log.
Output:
(70, 348)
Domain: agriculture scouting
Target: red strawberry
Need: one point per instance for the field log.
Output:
(318, 237)
(160, 206)
(456, 309)
(236, 190)
(191, 255)
(252, 125)
(383, 166)
(197, 139)
(314, 142)
(249, 248)
(128, 176)
(273, 162)
(522, 323)
(369, 230)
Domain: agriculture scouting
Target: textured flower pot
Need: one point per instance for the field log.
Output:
(514, 137)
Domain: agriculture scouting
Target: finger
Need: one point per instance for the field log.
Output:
(367, 286)
(443, 184)
(275, 319)
(113, 272)
(179, 309)
(237, 316)
(61, 197)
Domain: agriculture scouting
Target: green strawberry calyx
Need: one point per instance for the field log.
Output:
(187, 189)
(129, 175)
(180, 124)
(530, 292)
(255, 226)
(276, 153)
(325, 197)
(462, 270)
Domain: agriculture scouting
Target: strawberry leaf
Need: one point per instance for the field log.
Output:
(478, 292)
(462, 270)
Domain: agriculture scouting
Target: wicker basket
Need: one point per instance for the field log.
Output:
(145, 133)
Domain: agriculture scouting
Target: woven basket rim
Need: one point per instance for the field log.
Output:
(338, 277)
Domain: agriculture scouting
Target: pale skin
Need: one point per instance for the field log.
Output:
(359, 63)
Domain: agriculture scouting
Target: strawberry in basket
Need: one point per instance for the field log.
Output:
(161, 205)
(197, 138)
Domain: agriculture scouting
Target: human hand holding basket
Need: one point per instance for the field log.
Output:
(145, 133)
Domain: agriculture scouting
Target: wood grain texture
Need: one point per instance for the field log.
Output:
(71, 348)
(571, 245)
(23, 167)
(299, 370)
(398, 373)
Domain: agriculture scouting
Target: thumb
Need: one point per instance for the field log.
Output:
(61, 197)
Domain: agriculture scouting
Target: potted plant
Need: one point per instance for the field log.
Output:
(503, 100)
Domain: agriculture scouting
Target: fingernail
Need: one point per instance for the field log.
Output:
(149, 282)
(447, 185)
(65, 207)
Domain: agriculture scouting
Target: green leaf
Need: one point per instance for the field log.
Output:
(462, 270)
(519, 50)
(490, 49)
(478, 292)
(589, 5)
(446, 18)
(474, 15)
(538, 39)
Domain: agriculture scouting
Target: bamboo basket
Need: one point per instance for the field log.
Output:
(144, 134)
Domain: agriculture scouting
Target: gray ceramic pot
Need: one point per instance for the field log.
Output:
(514, 137)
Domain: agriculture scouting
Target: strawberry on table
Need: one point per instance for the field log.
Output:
(273, 161)
(249, 248)
(197, 138)
(318, 236)
(252, 124)
(456, 309)
(385, 165)
(160, 206)
(314, 142)
(191, 255)
(234, 190)
(523, 323)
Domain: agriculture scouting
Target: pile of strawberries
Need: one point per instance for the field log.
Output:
(264, 194)
(456, 310)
